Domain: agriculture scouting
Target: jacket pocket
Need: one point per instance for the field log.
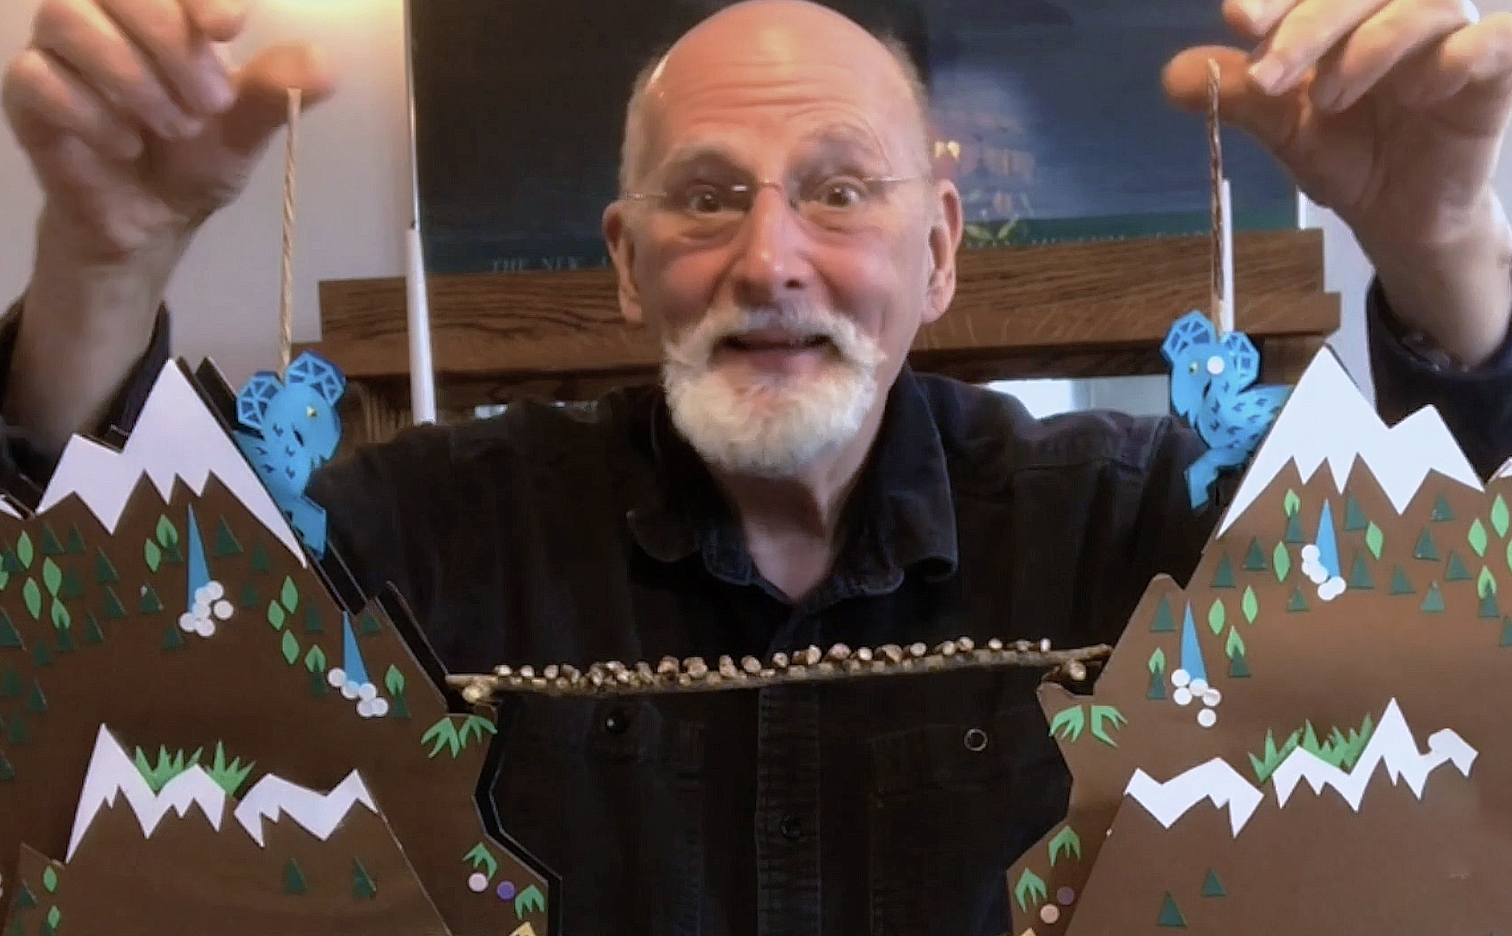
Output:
(952, 806)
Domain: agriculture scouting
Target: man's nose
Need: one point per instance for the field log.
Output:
(773, 258)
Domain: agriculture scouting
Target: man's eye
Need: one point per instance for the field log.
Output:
(705, 199)
(841, 193)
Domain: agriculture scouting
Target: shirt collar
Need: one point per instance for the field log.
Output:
(902, 513)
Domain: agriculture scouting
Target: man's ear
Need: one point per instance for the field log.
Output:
(944, 241)
(622, 251)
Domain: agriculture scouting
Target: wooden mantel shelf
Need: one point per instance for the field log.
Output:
(1056, 310)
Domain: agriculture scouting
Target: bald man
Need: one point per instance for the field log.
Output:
(792, 482)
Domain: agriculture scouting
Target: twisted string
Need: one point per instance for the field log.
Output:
(286, 302)
(1215, 181)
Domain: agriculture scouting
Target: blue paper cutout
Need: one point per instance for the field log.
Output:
(1327, 542)
(199, 568)
(289, 428)
(1210, 389)
(1191, 650)
(351, 657)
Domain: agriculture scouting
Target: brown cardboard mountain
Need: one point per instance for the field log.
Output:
(197, 723)
(1309, 737)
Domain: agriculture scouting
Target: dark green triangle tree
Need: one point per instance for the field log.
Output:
(1359, 573)
(1170, 914)
(1254, 558)
(1223, 577)
(114, 610)
(7, 772)
(75, 544)
(1163, 623)
(363, 887)
(1297, 602)
(1426, 549)
(1433, 602)
(226, 543)
(1212, 886)
(1354, 518)
(105, 572)
(294, 882)
(1400, 584)
(10, 638)
(1455, 570)
(1441, 511)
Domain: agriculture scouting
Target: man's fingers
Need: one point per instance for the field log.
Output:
(219, 20)
(182, 55)
(45, 100)
(1272, 120)
(80, 34)
(1301, 38)
(262, 103)
(1393, 36)
(1254, 18)
(1475, 55)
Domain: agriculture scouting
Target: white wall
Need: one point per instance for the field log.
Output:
(353, 189)
(353, 207)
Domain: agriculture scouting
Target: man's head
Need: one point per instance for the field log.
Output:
(781, 229)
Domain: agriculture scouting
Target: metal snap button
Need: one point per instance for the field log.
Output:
(792, 828)
(616, 721)
(975, 740)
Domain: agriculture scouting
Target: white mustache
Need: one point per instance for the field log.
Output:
(694, 349)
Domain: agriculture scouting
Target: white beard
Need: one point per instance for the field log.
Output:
(769, 426)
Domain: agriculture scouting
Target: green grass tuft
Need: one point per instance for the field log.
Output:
(1337, 749)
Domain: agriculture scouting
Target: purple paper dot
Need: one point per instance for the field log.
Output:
(506, 890)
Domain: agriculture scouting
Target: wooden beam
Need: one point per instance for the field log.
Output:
(1057, 310)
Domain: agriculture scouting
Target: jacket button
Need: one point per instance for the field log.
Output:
(975, 740)
(791, 827)
(616, 721)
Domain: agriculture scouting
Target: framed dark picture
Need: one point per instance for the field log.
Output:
(1049, 115)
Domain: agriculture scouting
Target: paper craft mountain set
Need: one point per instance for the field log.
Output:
(194, 727)
(1309, 738)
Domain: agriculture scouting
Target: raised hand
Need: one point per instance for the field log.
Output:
(135, 122)
(1390, 112)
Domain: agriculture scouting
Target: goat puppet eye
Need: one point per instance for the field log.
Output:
(1215, 366)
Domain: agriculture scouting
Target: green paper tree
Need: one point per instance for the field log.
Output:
(9, 637)
(312, 623)
(363, 887)
(51, 546)
(1441, 511)
(73, 587)
(7, 772)
(16, 734)
(1455, 570)
(1297, 602)
(1212, 886)
(1170, 914)
(226, 543)
(172, 639)
(36, 702)
(1489, 607)
(150, 603)
(1426, 549)
(75, 544)
(1239, 666)
(42, 654)
(65, 642)
(1254, 558)
(249, 598)
(1506, 634)
(11, 686)
(1354, 519)
(1163, 623)
(92, 632)
(114, 610)
(24, 899)
(293, 879)
(105, 572)
(1359, 573)
(259, 560)
(1224, 576)
(1400, 584)
(367, 625)
(1433, 602)
(1294, 532)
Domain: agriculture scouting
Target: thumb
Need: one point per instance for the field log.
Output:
(262, 101)
(1270, 119)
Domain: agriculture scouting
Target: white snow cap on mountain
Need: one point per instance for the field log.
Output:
(1327, 420)
(317, 813)
(112, 774)
(176, 437)
(1391, 747)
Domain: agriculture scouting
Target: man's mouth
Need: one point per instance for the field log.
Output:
(774, 341)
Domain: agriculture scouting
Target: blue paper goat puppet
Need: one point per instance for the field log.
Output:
(288, 429)
(1211, 389)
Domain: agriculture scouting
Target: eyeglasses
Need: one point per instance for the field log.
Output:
(841, 204)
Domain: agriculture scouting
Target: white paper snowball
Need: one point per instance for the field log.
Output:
(1207, 718)
(215, 590)
(222, 609)
(1180, 678)
(477, 883)
(336, 677)
(1182, 696)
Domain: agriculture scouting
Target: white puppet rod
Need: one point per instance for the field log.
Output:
(422, 364)
(1221, 293)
